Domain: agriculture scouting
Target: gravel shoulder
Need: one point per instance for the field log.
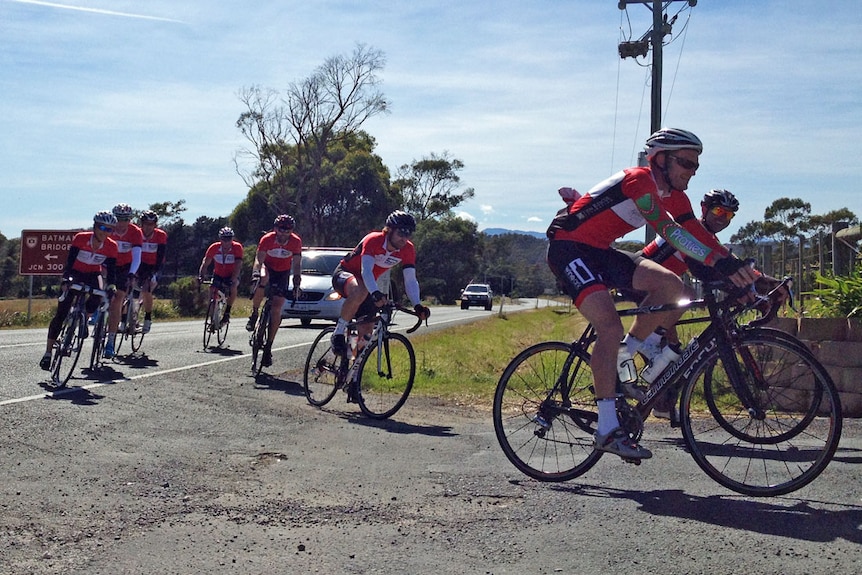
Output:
(207, 471)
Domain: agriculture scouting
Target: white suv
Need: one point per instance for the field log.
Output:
(318, 300)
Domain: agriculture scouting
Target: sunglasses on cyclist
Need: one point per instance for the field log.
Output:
(720, 212)
(104, 228)
(685, 164)
(405, 232)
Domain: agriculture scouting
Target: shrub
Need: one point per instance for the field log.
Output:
(188, 298)
(839, 296)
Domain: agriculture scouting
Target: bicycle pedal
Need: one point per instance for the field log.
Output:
(631, 460)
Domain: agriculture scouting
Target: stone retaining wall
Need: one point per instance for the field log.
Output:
(837, 344)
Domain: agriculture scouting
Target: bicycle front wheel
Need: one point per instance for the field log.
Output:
(258, 340)
(209, 323)
(221, 333)
(98, 342)
(544, 419)
(67, 350)
(780, 442)
(321, 378)
(386, 376)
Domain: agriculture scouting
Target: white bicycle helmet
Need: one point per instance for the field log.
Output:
(670, 139)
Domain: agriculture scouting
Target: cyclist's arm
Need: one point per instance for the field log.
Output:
(205, 264)
(111, 271)
(411, 285)
(136, 260)
(296, 270)
(160, 257)
(70, 260)
(368, 274)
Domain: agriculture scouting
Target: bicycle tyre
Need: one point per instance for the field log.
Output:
(752, 372)
(136, 333)
(67, 349)
(221, 330)
(383, 391)
(785, 449)
(546, 433)
(98, 342)
(208, 323)
(323, 370)
(258, 339)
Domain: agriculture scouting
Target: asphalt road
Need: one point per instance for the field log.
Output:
(179, 461)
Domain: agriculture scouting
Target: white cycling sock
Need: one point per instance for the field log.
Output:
(632, 343)
(607, 415)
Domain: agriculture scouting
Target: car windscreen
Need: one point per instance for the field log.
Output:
(320, 264)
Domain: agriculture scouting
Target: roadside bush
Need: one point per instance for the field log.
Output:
(838, 296)
(188, 298)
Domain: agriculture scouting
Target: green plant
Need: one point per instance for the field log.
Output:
(839, 296)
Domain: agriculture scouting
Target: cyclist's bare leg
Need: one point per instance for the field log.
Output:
(275, 319)
(662, 286)
(598, 308)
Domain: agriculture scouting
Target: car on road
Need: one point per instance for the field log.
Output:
(477, 294)
(318, 300)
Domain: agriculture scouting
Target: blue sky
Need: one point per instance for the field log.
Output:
(129, 101)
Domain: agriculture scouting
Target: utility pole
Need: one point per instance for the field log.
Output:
(654, 38)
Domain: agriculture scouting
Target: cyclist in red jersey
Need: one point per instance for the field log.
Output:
(581, 257)
(718, 208)
(89, 253)
(129, 239)
(356, 276)
(279, 254)
(225, 256)
(152, 257)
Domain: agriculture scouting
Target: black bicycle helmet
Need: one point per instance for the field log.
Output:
(284, 221)
(105, 218)
(149, 216)
(123, 211)
(225, 232)
(670, 139)
(721, 198)
(401, 220)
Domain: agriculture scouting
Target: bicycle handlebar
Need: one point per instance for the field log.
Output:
(87, 289)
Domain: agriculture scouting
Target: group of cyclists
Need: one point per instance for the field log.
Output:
(279, 259)
(580, 254)
(116, 256)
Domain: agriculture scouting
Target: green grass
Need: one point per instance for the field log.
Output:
(463, 364)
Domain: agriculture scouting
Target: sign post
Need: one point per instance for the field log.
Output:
(44, 252)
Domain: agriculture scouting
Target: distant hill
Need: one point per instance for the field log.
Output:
(500, 231)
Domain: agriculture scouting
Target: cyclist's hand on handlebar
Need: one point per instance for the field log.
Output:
(739, 272)
(422, 312)
(379, 298)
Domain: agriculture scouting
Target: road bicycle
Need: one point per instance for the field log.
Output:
(73, 333)
(129, 328)
(380, 377)
(759, 414)
(215, 311)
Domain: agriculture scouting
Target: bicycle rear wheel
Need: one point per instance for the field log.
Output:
(323, 370)
(545, 426)
(67, 350)
(783, 441)
(386, 376)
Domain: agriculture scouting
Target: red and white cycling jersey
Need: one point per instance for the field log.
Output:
(627, 201)
(279, 257)
(374, 245)
(150, 246)
(661, 252)
(224, 260)
(133, 237)
(86, 258)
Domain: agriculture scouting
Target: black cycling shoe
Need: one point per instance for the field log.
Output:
(45, 362)
(266, 360)
(338, 343)
(251, 321)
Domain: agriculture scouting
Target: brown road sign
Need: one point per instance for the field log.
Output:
(44, 252)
